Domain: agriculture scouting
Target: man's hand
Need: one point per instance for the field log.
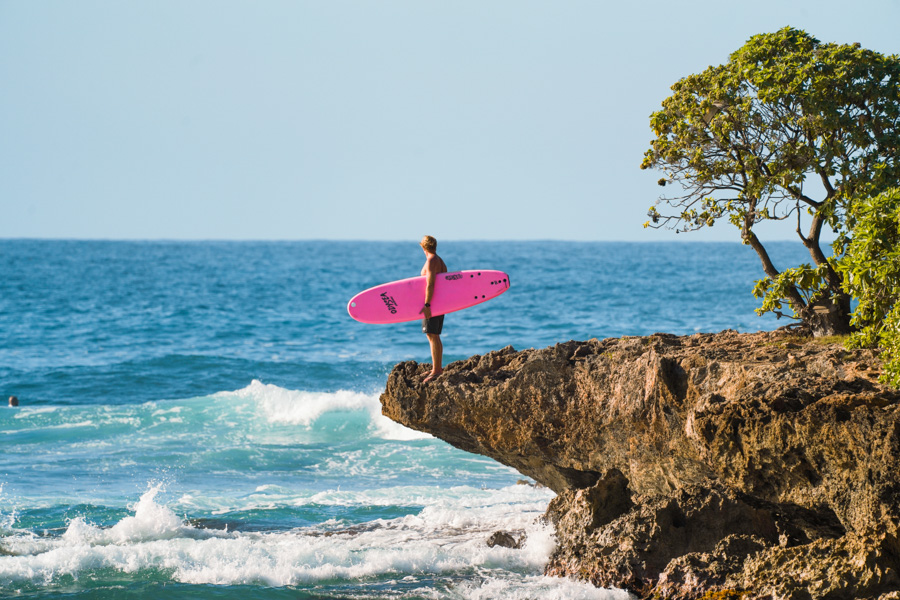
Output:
(426, 310)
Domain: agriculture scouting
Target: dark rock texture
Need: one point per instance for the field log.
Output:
(732, 465)
(505, 539)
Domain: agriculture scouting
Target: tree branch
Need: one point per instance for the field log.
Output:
(794, 297)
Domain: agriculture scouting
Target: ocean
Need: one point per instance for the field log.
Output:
(201, 419)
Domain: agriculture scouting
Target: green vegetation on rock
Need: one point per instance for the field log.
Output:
(871, 272)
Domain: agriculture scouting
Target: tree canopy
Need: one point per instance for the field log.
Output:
(788, 128)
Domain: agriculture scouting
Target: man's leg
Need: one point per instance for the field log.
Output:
(437, 355)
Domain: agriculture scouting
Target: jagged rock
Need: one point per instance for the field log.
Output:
(505, 539)
(528, 483)
(586, 509)
(713, 463)
(685, 574)
(853, 566)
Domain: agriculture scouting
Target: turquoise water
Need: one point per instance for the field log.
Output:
(202, 419)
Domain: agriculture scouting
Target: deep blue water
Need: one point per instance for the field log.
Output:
(202, 419)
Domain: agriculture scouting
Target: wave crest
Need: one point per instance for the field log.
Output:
(296, 407)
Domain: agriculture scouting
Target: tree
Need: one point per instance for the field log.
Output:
(871, 271)
(789, 128)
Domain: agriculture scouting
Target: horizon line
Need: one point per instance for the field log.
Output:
(364, 240)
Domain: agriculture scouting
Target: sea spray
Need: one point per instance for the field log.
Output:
(151, 521)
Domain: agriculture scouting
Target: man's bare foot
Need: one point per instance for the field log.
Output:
(432, 376)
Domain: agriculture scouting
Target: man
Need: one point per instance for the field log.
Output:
(431, 326)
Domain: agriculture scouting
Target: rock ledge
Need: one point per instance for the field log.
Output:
(727, 465)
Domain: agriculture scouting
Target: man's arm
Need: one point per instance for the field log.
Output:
(430, 277)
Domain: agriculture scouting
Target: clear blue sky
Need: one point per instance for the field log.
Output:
(359, 119)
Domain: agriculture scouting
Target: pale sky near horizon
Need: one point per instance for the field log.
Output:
(360, 119)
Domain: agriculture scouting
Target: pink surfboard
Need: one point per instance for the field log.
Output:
(402, 300)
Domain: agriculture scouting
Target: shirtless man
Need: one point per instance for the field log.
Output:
(431, 326)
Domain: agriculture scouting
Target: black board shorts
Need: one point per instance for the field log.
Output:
(433, 325)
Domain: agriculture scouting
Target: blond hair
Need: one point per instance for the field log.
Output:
(428, 243)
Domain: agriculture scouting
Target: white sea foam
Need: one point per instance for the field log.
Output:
(28, 412)
(535, 587)
(151, 521)
(432, 542)
(7, 517)
(447, 536)
(454, 500)
(295, 407)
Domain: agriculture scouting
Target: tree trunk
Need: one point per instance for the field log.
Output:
(824, 317)
(832, 315)
(828, 317)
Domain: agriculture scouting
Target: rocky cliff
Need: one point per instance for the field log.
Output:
(726, 465)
